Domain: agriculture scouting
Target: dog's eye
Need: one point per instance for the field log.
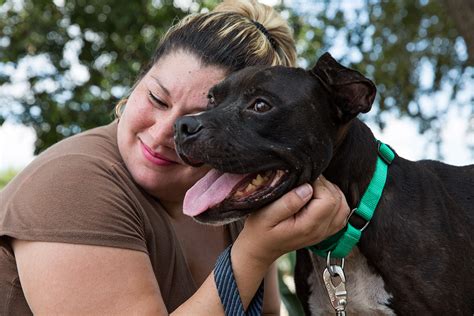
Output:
(261, 106)
(210, 100)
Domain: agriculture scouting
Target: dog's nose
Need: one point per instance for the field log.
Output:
(187, 126)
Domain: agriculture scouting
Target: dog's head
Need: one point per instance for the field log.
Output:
(267, 130)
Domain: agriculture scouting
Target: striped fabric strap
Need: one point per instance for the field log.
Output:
(228, 291)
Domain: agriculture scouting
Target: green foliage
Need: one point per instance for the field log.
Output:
(286, 266)
(113, 39)
(390, 41)
(6, 176)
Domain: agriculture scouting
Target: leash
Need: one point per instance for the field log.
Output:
(340, 245)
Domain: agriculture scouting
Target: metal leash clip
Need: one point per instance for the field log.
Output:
(337, 293)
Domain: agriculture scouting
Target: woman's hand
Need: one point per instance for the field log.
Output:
(302, 217)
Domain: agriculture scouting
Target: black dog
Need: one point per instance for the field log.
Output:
(269, 129)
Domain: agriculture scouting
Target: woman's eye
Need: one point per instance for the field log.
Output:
(155, 100)
(261, 106)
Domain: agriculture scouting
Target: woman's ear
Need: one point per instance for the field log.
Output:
(350, 91)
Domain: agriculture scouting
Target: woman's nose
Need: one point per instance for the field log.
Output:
(162, 132)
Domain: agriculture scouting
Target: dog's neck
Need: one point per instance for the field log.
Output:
(353, 162)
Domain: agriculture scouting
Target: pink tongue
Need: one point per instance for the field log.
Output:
(212, 189)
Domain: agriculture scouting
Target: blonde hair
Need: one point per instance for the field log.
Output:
(277, 27)
(236, 34)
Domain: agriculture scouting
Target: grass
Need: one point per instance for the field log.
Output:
(286, 267)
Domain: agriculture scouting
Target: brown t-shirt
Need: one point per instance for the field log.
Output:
(79, 191)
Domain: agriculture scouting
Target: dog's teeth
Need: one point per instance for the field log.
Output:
(239, 193)
(250, 187)
(258, 180)
(278, 175)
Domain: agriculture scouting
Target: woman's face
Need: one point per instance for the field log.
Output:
(176, 85)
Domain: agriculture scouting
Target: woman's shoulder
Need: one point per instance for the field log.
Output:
(85, 169)
(90, 154)
(86, 161)
(76, 191)
(99, 142)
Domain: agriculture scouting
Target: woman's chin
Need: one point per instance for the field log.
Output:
(164, 185)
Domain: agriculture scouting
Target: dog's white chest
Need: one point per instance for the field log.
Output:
(365, 289)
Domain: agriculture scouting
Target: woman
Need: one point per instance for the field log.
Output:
(95, 226)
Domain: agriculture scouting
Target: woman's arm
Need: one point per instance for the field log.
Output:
(281, 227)
(68, 279)
(272, 300)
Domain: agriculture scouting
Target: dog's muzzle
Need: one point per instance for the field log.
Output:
(186, 128)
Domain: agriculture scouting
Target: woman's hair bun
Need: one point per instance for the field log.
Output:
(276, 26)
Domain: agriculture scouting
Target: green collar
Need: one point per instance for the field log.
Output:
(341, 244)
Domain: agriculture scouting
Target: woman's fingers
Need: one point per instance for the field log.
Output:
(302, 217)
(323, 188)
(342, 215)
(315, 220)
(287, 205)
(325, 214)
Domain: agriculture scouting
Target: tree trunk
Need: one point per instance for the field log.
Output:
(462, 12)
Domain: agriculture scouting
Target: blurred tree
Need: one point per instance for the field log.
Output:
(462, 12)
(6, 176)
(411, 49)
(72, 60)
(82, 56)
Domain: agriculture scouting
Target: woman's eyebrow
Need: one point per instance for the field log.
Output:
(161, 85)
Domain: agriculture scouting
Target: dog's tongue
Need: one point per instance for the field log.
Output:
(209, 191)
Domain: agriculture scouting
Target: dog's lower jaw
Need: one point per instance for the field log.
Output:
(220, 222)
(214, 218)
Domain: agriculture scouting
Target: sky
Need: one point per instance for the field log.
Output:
(17, 141)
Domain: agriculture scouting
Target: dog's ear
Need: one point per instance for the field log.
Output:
(352, 92)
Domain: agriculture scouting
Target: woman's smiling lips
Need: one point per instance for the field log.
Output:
(154, 157)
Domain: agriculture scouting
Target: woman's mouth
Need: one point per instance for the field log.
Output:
(154, 157)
